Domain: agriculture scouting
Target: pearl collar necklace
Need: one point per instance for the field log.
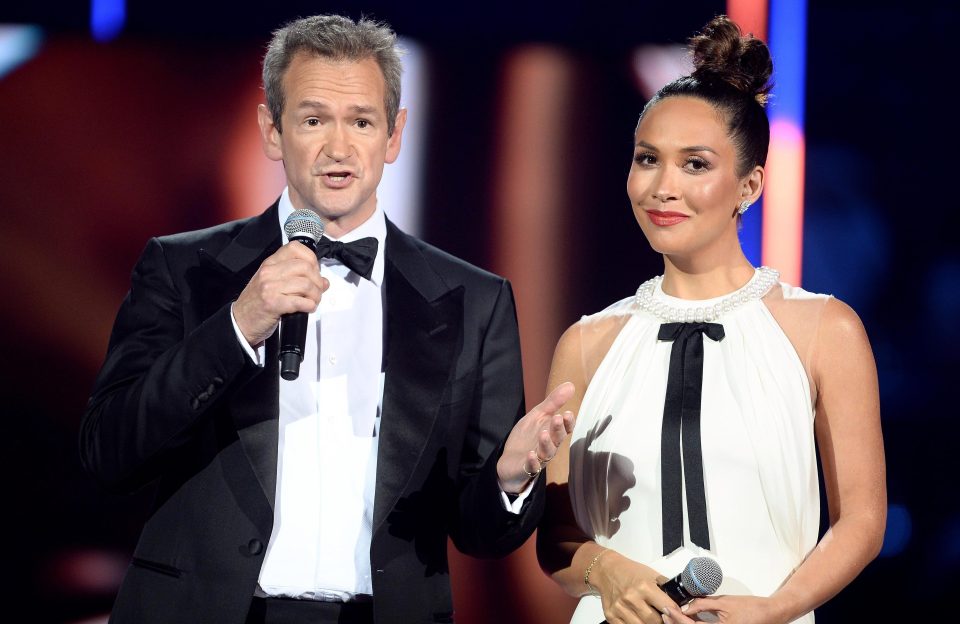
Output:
(650, 296)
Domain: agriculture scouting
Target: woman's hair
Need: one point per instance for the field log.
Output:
(732, 73)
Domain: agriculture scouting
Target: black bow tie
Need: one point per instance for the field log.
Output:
(358, 255)
(681, 429)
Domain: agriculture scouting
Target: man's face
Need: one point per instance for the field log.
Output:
(334, 140)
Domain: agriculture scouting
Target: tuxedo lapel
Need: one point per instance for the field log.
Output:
(423, 334)
(255, 406)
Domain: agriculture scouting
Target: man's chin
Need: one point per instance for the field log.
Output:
(344, 217)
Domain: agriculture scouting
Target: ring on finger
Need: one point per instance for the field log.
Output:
(532, 475)
(540, 459)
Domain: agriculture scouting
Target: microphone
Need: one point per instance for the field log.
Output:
(305, 227)
(701, 577)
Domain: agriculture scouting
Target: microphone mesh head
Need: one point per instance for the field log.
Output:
(303, 223)
(702, 576)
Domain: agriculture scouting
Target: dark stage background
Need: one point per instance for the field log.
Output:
(105, 144)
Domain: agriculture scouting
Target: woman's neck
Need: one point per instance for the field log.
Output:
(705, 278)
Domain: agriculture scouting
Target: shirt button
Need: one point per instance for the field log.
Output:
(333, 360)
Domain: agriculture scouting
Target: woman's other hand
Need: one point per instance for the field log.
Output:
(727, 610)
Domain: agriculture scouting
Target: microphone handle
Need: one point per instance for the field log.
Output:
(676, 591)
(293, 331)
(293, 337)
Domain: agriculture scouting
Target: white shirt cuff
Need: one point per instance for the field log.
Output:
(517, 504)
(256, 355)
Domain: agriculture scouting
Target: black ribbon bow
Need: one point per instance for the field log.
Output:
(358, 255)
(681, 427)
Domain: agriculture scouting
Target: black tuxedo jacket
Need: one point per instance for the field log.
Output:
(179, 403)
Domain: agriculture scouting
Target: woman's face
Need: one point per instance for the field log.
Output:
(683, 183)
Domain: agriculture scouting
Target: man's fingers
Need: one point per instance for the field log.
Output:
(531, 464)
(296, 249)
(557, 397)
(550, 439)
(556, 432)
(561, 425)
(545, 448)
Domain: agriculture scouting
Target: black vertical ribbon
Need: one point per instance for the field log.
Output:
(681, 427)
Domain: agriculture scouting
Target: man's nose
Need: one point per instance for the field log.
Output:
(337, 147)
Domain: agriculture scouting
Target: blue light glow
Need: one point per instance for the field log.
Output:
(18, 44)
(946, 548)
(788, 47)
(751, 233)
(107, 18)
(899, 529)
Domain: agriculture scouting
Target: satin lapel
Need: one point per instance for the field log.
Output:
(255, 407)
(423, 336)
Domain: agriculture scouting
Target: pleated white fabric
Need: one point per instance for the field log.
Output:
(760, 469)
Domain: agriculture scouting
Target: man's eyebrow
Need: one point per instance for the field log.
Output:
(364, 110)
(357, 109)
(312, 104)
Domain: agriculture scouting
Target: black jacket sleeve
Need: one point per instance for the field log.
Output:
(482, 527)
(160, 378)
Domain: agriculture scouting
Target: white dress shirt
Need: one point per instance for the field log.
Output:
(328, 437)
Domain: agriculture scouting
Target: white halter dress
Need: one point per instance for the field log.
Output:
(756, 431)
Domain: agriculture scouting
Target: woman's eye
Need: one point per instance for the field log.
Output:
(645, 159)
(698, 164)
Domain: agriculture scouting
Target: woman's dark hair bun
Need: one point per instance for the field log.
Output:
(721, 54)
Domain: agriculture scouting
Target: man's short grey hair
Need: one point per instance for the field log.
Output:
(336, 38)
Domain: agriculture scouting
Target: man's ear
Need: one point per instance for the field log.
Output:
(269, 134)
(394, 140)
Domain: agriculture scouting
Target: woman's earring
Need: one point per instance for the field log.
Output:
(743, 206)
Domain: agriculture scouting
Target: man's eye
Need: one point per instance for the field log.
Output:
(363, 123)
(313, 121)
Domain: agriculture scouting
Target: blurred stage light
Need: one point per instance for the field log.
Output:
(942, 298)
(657, 65)
(783, 222)
(898, 532)
(88, 572)
(751, 17)
(100, 619)
(18, 44)
(772, 232)
(400, 191)
(107, 18)
(946, 547)
(783, 208)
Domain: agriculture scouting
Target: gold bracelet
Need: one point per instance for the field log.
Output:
(586, 573)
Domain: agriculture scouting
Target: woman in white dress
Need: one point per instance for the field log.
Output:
(700, 400)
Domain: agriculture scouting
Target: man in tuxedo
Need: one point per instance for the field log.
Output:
(328, 498)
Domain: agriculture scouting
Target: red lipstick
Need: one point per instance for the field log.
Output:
(665, 218)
